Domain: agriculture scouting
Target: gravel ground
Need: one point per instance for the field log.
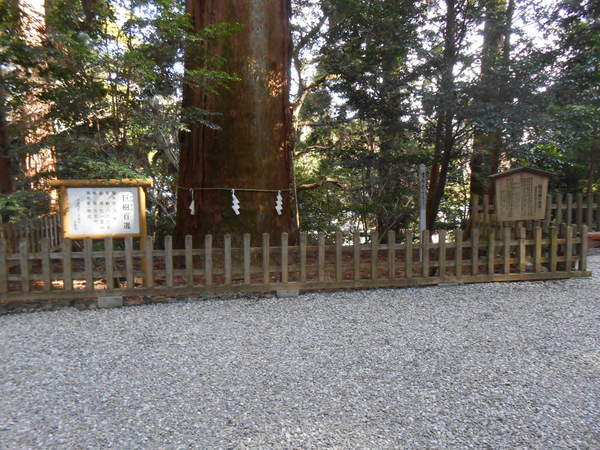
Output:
(496, 365)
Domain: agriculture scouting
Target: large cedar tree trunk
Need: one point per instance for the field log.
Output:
(253, 149)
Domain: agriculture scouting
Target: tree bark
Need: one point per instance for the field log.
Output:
(253, 149)
(6, 173)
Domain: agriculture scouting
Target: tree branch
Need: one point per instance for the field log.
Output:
(324, 181)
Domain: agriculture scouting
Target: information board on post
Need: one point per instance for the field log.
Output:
(103, 208)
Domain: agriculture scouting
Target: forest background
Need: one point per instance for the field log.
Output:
(93, 89)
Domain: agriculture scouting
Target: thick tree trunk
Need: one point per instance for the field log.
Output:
(6, 174)
(487, 139)
(253, 150)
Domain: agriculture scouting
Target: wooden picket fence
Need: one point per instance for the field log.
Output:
(579, 209)
(131, 268)
(44, 227)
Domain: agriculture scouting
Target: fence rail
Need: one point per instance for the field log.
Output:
(130, 268)
(578, 209)
(45, 227)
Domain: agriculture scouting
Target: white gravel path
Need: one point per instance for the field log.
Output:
(513, 365)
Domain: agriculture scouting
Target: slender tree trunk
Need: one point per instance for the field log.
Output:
(444, 135)
(6, 173)
(253, 148)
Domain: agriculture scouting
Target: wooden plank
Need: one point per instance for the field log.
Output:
(391, 242)
(339, 276)
(321, 257)
(569, 250)
(149, 262)
(189, 260)
(442, 254)
(458, 261)
(45, 257)
(475, 251)
(102, 182)
(302, 257)
(227, 257)
(169, 260)
(128, 261)
(553, 248)
(569, 212)
(425, 253)
(247, 258)
(408, 257)
(284, 257)
(3, 267)
(356, 256)
(579, 197)
(584, 249)
(522, 249)
(506, 245)
(374, 255)
(491, 252)
(208, 260)
(266, 251)
(559, 209)
(486, 209)
(538, 249)
(589, 217)
(67, 248)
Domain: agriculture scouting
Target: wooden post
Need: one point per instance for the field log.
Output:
(458, 261)
(589, 217)
(507, 239)
(89, 264)
(569, 214)
(148, 262)
(522, 249)
(247, 259)
(24, 264)
(559, 208)
(425, 253)
(189, 261)
(227, 258)
(391, 242)
(356, 242)
(321, 261)
(45, 256)
(128, 261)
(538, 249)
(266, 251)
(475, 251)
(491, 252)
(584, 249)
(169, 260)
(408, 257)
(68, 265)
(486, 209)
(569, 250)
(208, 261)
(3, 267)
(579, 209)
(553, 248)
(339, 275)
(302, 256)
(442, 254)
(374, 255)
(284, 257)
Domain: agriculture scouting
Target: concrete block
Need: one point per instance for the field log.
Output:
(288, 293)
(110, 302)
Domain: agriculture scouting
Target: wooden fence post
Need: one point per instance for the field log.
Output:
(24, 264)
(3, 267)
(569, 213)
(284, 257)
(408, 255)
(522, 249)
(559, 209)
(45, 257)
(442, 254)
(148, 262)
(584, 249)
(129, 262)
(553, 248)
(247, 259)
(374, 255)
(321, 257)
(425, 254)
(227, 258)
(169, 261)
(475, 251)
(339, 274)
(266, 250)
(507, 247)
(458, 249)
(302, 256)
(491, 252)
(208, 260)
(356, 242)
(189, 260)
(391, 242)
(88, 264)
(548, 217)
(68, 265)
(538, 249)
(589, 216)
(569, 250)
(579, 209)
